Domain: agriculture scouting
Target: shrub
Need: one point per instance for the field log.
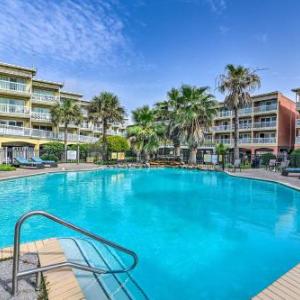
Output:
(265, 158)
(83, 150)
(54, 148)
(117, 144)
(7, 167)
(47, 156)
(295, 158)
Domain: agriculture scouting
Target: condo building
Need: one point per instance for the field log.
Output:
(25, 119)
(297, 123)
(267, 125)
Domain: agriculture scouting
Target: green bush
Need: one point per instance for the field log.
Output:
(7, 168)
(49, 157)
(295, 158)
(83, 149)
(54, 148)
(117, 144)
(265, 158)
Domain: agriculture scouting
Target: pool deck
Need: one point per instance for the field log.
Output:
(64, 167)
(60, 284)
(292, 180)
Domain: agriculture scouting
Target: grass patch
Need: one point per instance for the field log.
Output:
(7, 167)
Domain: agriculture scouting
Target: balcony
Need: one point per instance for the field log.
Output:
(223, 141)
(222, 128)
(15, 87)
(16, 110)
(298, 105)
(265, 108)
(41, 116)
(297, 141)
(298, 123)
(245, 111)
(44, 134)
(42, 98)
(271, 124)
(269, 140)
(224, 113)
(245, 126)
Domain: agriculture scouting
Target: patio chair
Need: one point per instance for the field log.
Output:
(46, 163)
(283, 165)
(286, 171)
(23, 162)
(271, 165)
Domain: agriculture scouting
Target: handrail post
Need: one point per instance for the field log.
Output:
(16, 258)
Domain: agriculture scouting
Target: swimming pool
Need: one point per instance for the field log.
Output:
(199, 235)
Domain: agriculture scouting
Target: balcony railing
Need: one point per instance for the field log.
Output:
(297, 141)
(298, 122)
(44, 98)
(245, 111)
(44, 134)
(265, 124)
(222, 128)
(14, 109)
(265, 108)
(12, 86)
(42, 116)
(224, 113)
(270, 140)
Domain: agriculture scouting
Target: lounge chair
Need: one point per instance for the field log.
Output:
(23, 162)
(271, 165)
(286, 171)
(46, 163)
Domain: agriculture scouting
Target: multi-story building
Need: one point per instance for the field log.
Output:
(267, 125)
(297, 123)
(25, 104)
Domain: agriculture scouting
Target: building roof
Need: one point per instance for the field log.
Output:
(32, 70)
(296, 90)
(60, 84)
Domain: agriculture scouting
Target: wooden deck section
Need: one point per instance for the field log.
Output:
(60, 284)
(287, 287)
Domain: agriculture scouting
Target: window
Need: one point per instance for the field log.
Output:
(12, 123)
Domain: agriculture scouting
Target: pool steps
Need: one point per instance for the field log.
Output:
(106, 286)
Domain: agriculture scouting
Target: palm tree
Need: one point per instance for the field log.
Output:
(66, 112)
(194, 117)
(146, 134)
(237, 83)
(221, 150)
(166, 112)
(106, 108)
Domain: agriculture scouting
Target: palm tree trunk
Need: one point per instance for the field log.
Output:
(65, 141)
(105, 154)
(193, 155)
(138, 156)
(177, 151)
(236, 134)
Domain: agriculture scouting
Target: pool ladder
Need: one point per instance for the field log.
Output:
(16, 274)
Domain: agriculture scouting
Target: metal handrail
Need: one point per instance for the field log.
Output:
(16, 274)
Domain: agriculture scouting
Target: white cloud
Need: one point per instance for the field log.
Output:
(217, 6)
(64, 30)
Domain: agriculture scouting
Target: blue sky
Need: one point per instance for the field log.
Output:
(140, 49)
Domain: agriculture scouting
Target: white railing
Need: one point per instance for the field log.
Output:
(269, 140)
(222, 128)
(14, 109)
(245, 125)
(41, 116)
(298, 122)
(12, 86)
(224, 113)
(245, 111)
(265, 108)
(44, 98)
(86, 126)
(97, 128)
(36, 133)
(297, 141)
(265, 124)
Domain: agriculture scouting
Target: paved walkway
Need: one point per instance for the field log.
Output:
(20, 172)
(292, 180)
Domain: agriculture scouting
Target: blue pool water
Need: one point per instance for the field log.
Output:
(199, 235)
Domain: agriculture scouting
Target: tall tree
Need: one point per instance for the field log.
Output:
(195, 116)
(66, 112)
(145, 134)
(237, 83)
(166, 112)
(106, 108)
